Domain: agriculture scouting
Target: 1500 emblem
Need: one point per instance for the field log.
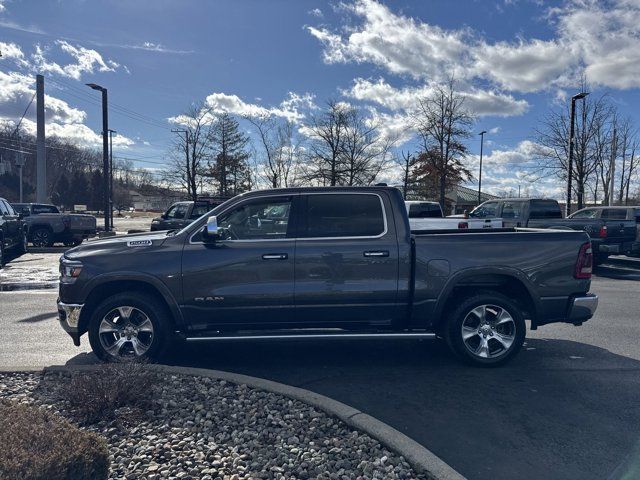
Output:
(139, 243)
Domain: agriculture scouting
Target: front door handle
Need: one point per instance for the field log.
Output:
(377, 253)
(275, 256)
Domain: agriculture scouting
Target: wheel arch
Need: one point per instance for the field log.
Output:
(509, 282)
(32, 228)
(107, 286)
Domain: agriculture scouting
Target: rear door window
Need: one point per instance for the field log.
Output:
(425, 210)
(44, 209)
(511, 210)
(587, 213)
(199, 210)
(343, 215)
(614, 214)
(545, 209)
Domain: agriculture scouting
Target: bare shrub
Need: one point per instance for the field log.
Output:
(115, 389)
(41, 445)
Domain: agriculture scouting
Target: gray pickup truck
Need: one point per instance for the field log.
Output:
(323, 263)
(611, 231)
(46, 225)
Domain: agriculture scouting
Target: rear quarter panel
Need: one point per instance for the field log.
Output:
(543, 261)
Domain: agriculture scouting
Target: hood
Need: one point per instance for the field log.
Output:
(119, 243)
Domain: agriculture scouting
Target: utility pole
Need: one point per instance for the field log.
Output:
(480, 176)
(105, 154)
(578, 96)
(612, 165)
(41, 154)
(111, 132)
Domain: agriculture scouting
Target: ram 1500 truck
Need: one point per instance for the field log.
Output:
(329, 262)
(46, 225)
(608, 235)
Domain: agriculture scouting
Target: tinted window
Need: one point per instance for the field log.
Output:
(178, 211)
(343, 215)
(44, 209)
(10, 209)
(199, 210)
(3, 208)
(260, 219)
(425, 210)
(23, 209)
(511, 210)
(615, 214)
(545, 209)
(586, 213)
(486, 210)
(637, 213)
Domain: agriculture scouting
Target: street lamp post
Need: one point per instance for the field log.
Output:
(480, 176)
(105, 154)
(578, 96)
(111, 132)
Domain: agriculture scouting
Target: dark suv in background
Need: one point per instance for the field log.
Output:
(13, 234)
(181, 214)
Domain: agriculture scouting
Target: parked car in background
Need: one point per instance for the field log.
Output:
(46, 225)
(620, 222)
(326, 262)
(607, 236)
(13, 233)
(181, 214)
(426, 215)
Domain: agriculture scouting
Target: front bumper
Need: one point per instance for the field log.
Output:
(582, 308)
(69, 317)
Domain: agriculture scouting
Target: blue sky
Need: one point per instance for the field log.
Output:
(515, 59)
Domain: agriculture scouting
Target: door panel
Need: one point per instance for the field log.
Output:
(345, 278)
(247, 277)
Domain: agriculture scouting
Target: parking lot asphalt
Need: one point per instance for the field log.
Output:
(566, 407)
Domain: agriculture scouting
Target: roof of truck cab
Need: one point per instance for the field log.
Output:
(294, 190)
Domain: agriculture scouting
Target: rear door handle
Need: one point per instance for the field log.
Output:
(377, 253)
(275, 256)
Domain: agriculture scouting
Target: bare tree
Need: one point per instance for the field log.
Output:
(364, 150)
(192, 148)
(327, 132)
(592, 147)
(443, 124)
(279, 148)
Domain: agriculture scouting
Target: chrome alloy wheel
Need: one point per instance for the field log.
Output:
(488, 331)
(126, 332)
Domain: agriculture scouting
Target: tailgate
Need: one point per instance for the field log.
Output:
(620, 231)
(82, 222)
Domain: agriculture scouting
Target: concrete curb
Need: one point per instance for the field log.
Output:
(420, 458)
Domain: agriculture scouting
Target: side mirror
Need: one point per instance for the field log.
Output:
(163, 216)
(211, 232)
(20, 216)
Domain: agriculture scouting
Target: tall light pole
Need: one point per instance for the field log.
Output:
(577, 96)
(111, 132)
(105, 153)
(480, 176)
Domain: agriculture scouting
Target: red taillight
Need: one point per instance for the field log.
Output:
(584, 265)
(603, 232)
(463, 225)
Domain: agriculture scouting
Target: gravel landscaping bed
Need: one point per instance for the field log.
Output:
(202, 428)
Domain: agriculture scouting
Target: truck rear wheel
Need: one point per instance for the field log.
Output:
(129, 326)
(487, 329)
(42, 237)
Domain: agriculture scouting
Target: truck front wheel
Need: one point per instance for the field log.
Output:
(129, 326)
(487, 329)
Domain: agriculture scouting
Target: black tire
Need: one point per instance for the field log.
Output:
(42, 237)
(72, 243)
(154, 311)
(491, 342)
(22, 248)
(599, 259)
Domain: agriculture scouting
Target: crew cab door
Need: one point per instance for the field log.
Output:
(346, 268)
(11, 224)
(246, 278)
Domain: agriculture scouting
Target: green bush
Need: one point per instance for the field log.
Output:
(40, 445)
(95, 395)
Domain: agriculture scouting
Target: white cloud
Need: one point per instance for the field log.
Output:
(86, 61)
(599, 37)
(292, 108)
(481, 102)
(316, 12)
(13, 52)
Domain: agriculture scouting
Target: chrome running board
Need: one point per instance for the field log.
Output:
(323, 336)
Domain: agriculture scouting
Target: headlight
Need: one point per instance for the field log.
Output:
(69, 270)
(155, 221)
